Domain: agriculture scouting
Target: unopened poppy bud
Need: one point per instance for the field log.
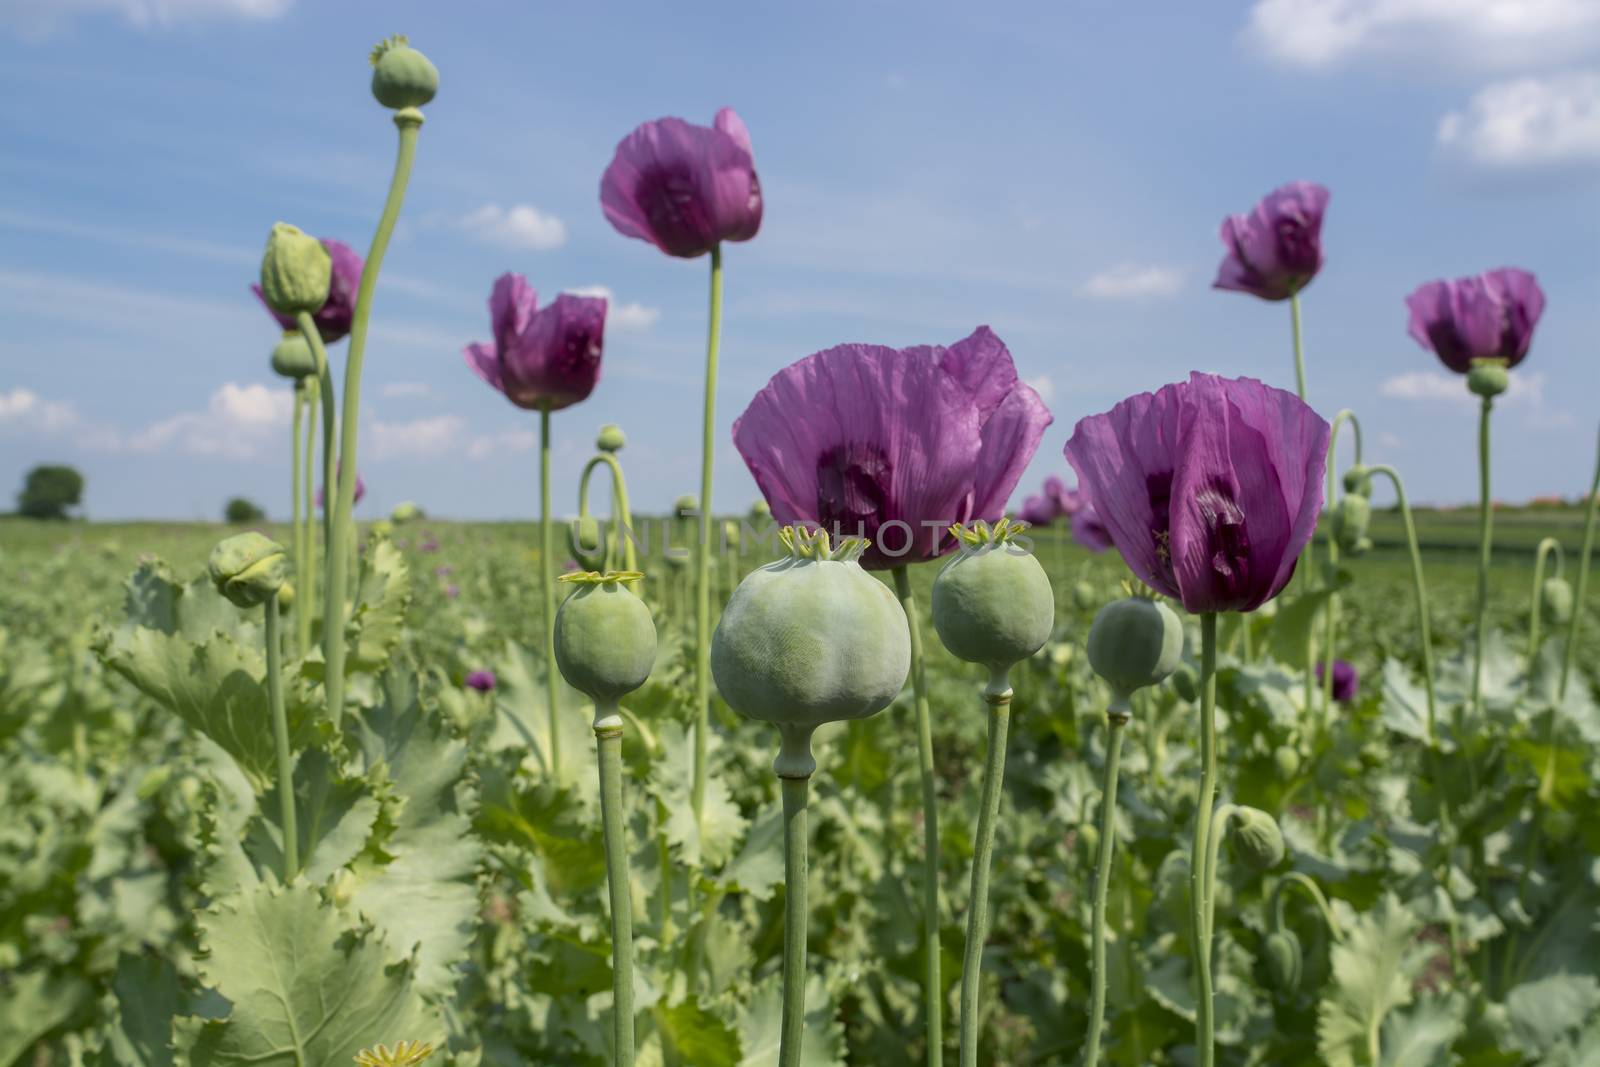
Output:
(1186, 682)
(1134, 643)
(1284, 960)
(587, 542)
(686, 507)
(1256, 838)
(248, 569)
(605, 639)
(292, 356)
(1358, 480)
(731, 537)
(405, 512)
(1488, 377)
(382, 528)
(1556, 601)
(1287, 760)
(1085, 595)
(1351, 517)
(611, 438)
(761, 510)
(992, 603)
(1089, 840)
(285, 598)
(295, 271)
(402, 77)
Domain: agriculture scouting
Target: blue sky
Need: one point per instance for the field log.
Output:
(1058, 173)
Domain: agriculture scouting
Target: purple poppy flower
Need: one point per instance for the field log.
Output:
(333, 319)
(1038, 510)
(452, 591)
(1276, 250)
(540, 359)
(893, 444)
(1089, 531)
(1346, 682)
(1209, 488)
(1489, 316)
(1067, 501)
(482, 681)
(361, 490)
(682, 187)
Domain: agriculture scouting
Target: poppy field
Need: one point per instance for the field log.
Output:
(1208, 750)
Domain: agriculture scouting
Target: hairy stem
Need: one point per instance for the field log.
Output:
(998, 698)
(1200, 905)
(608, 737)
(702, 559)
(1115, 722)
(280, 738)
(547, 597)
(795, 792)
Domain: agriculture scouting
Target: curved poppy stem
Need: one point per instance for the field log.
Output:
(306, 594)
(296, 530)
(1485, 552)
(409, 121)
(932, 987)
(1583, 584)
(1297, 879)
(998, 697)
(608, 739)
(280, 737)
(1546, 546)
(1331, 630)
(702, 559)
(1115, 721)
(1200, 905)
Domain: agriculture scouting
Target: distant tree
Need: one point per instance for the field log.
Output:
(49, 491)
(240, 510)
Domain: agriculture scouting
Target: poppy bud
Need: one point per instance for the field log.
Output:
(295, 271)
(405, 512)
(1186, 682)
(1556, 601)
(1284, 960)
(1256, 838)
(1287, 760)
(1134, 643)
(1089, 841)
(1358, 480)
(611, 438)
(248, 569)
(285, 598)
(292, 356)
(1085, 595)
(1351, 516)
(992, 603)
(1488, 378)
(761, 510)
(586, 542)
(402, 77)
(605, 639)
(686, 507)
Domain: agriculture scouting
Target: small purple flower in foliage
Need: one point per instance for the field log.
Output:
(361, 490)
(1275, 250)
(334, 318)
(1488, 316)
(1038, 511)
(482, 681)
(547, 358)
(1089, 531)
(1067, 501)
(452, 591)
(1209, 488)
(1346, 682)
(684, 188)
(891, 444)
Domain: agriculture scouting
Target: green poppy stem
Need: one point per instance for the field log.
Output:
(547, 597)
(280, 737)
(306, 594)
(1547, 545)
(1331, 629)
(1485, 551)
(1115, 722)
(1300, 389)
(308, 329)
(296, 532)
(608, 738)
(1299, 347)
(1583, 585)
(1310, 888)
(1199, 900)
(702, 559)
(932, 987)
(998, 697)
(409, 121)
(795, 795)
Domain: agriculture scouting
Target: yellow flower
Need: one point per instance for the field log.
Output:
(404, 1054)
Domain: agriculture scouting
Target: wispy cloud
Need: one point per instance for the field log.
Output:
(239, 422)
(1527, 392)
(1486, 34)
(427, 436)
(116, 235)
(1044, 385)
(484, 446)
(1131, 281)
(1528, 123)
(519, 226)
(404, 390)
(629, 317)
(39, 19)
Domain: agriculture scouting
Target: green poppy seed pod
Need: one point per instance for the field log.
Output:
(1085, 595)
(1351, 516)
(611, 438)
(730, 534)
(992, 603)
(1134, 643)
(404, 512)
(586, 542)
(1089, 841)
(810, 639)
(295, 271)
(1287, 759)
(402, 77)
(1488, 378)
(1284, 960)
(248, 569)
(1186, 682)
(1256, 838)
(285, 598)
(761, 510)
(292, 356)
(686, 507)
(1556, 601)
(1358, 480)
(605, 640)
(381, 528)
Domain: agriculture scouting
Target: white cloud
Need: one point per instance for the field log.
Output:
(401, 390)
(37, 19)
(631, 318)
(1437, 386)
(1526, 123)
(239, 422)
(428, 436)
(1492, 34)
(485, 446)
(519, 226)
(24, 409)
(1044, 385)
(1131, 281)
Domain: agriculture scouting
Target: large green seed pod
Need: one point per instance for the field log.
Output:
(1555, 601)
(295, 271)
(992, 603)
(1256, 838)
(292, 356)
(1134, 643)
(1488, 378)
(1351, 517)
(402, 76)
(611, 438)
(248, 569)
(404, 512)
(810, 639)
(605, 638)
(1284, 960)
